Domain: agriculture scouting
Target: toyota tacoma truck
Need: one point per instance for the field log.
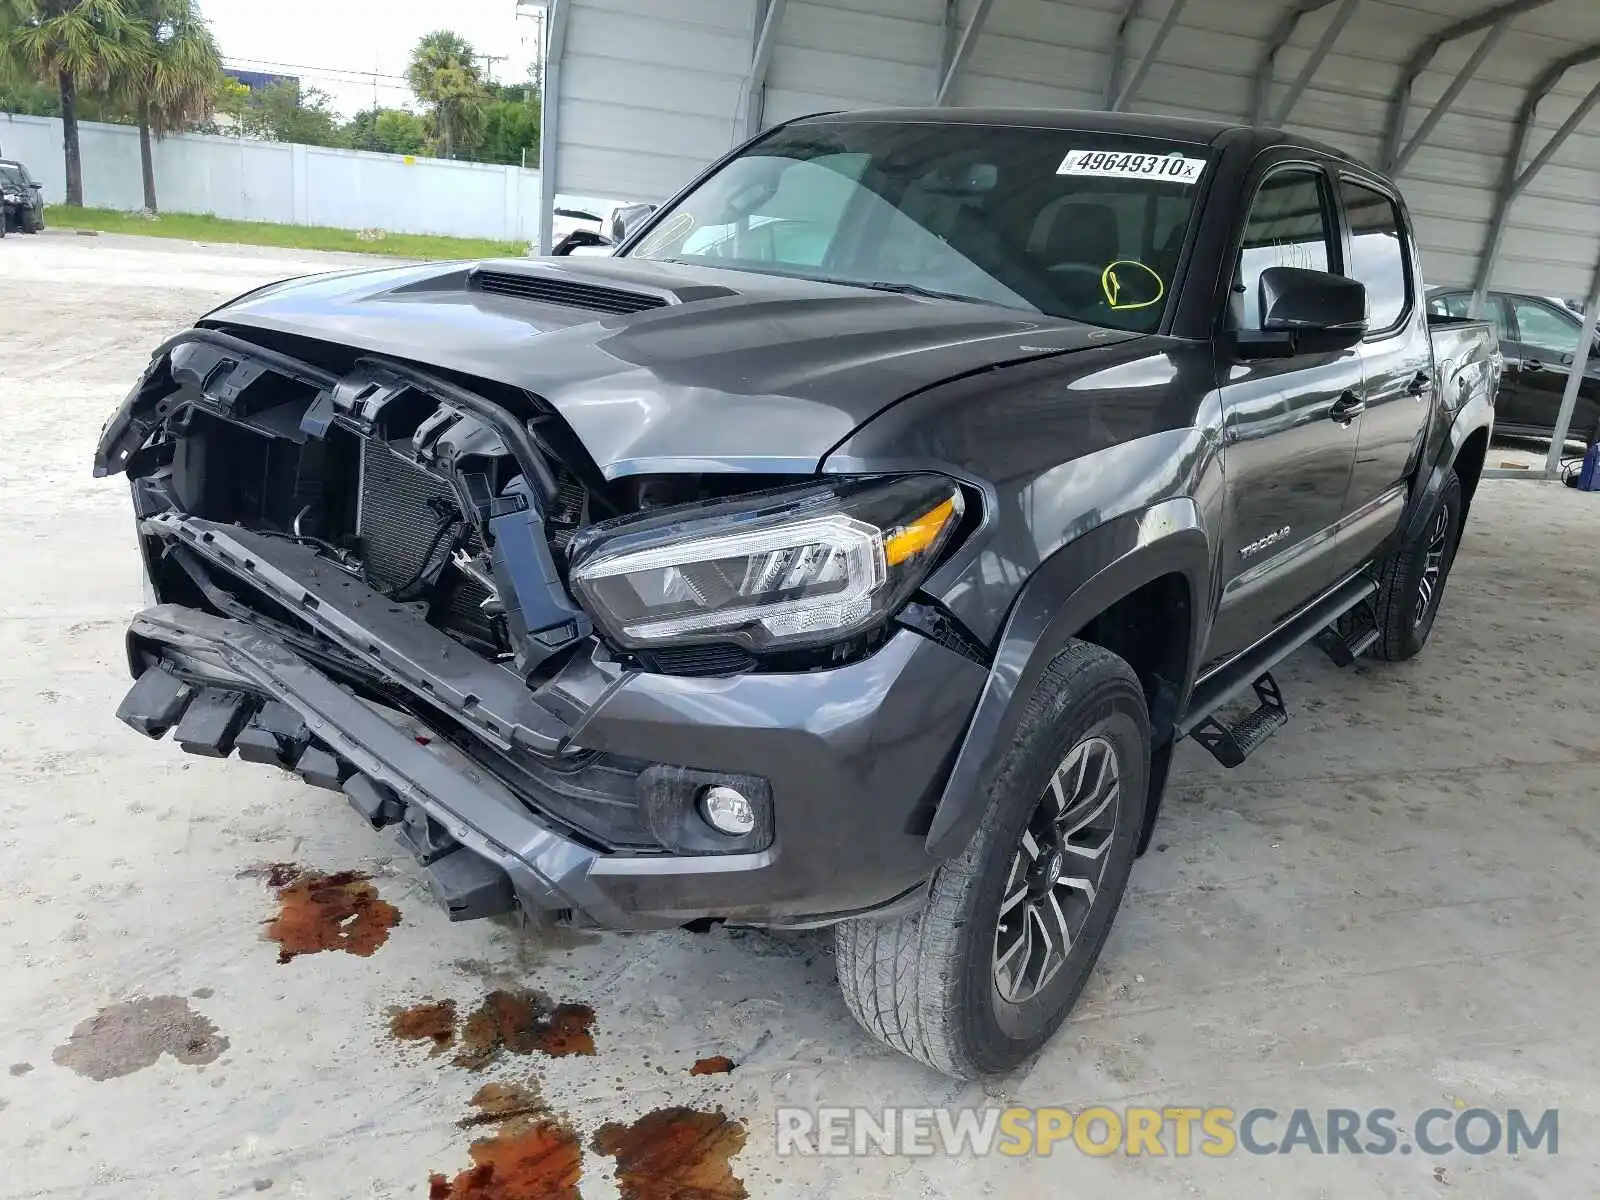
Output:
(852, 549)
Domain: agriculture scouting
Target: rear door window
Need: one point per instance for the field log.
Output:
(1544, 333)
(1378, 254)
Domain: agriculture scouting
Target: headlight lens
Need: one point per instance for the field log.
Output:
(786, 569)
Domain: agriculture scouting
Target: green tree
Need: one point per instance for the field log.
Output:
(72, 44)
(231, 98)
(30, 99)
(444, 74)
(284, 112)
(387, 131)
(171, 85)
(511, 127)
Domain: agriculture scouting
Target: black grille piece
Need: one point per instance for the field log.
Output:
(567, 293)
(698, 660)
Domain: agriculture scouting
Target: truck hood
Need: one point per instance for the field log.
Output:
(716, 370)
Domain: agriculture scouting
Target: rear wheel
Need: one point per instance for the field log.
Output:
(979, 980)
(1413, 580)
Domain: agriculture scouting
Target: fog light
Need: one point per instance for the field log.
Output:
(728, 811)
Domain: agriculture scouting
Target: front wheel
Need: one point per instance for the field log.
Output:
(1412, 584)
(978, 980)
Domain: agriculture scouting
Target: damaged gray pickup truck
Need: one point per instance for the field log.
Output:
(852, 548)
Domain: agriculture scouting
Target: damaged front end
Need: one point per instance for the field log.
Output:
(366, 574)
(403, 479)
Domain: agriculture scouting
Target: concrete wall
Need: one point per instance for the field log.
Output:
(292, 184)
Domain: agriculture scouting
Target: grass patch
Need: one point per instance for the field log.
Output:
(198, 228)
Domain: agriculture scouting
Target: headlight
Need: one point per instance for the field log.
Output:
(785, 569)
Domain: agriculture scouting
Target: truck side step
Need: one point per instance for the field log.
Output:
(1231, 744)
(1233, 678)
(1352, 635)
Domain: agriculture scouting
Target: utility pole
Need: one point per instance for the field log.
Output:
(488, 65)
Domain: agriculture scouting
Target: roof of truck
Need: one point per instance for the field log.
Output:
(1179, 129)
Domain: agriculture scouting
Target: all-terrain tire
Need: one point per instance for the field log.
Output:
(926, 984)
(1405, 615)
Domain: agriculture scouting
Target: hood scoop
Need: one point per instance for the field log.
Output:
(568, 289)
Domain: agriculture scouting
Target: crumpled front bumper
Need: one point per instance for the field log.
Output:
(852, 758)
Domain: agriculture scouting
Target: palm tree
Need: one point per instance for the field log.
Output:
(174, 80)
(444, 74)
(70, 43)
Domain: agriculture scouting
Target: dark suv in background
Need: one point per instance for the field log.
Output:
(1538, 336)
(21, 199)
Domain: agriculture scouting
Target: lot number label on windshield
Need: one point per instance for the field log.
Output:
(1111, 164)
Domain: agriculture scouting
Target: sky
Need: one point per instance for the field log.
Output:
(339, 46)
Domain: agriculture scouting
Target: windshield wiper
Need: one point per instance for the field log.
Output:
(908, 289)
(876, 285)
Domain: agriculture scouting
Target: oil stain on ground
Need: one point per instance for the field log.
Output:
(123, 1038)
(431, 1021)
(331, 912)
(533, 1155)
(518, 1021)
(717, 1064)
(675, 1154)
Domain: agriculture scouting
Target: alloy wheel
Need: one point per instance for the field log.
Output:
(1057, 871)
(1433, 565)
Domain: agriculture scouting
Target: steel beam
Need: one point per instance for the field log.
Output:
(969, 42)
(753, 93)
(1400, 103)
(1148, 58)
(555, 33)
(1282, 30)
(1330, 35)
(1580, 364)
(1451, 94)
(1508, 188)
(1117, 52)
(949, 35)
(1557, 140)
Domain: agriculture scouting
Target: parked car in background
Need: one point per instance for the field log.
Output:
(1538, 336)
(602, 242)
(21, 199)
(569, 220)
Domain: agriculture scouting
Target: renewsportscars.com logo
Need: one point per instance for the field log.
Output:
(1177, 1131)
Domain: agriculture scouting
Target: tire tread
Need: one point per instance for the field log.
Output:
(900, 977)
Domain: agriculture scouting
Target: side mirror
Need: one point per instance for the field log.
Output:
(578, 239)
(38, 187)
(1308, 312)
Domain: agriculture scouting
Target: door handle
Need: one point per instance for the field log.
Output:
(1532, 364)
(1347, 407)
(1421, 384)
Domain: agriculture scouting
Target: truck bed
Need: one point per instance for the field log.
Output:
(1466, 356)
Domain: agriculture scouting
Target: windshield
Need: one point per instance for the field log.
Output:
(1071, 224)
(12, 175)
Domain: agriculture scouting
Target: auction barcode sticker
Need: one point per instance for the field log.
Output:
(1114, 164)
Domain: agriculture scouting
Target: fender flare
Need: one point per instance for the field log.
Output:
(1477, 413)
(1069, 589)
